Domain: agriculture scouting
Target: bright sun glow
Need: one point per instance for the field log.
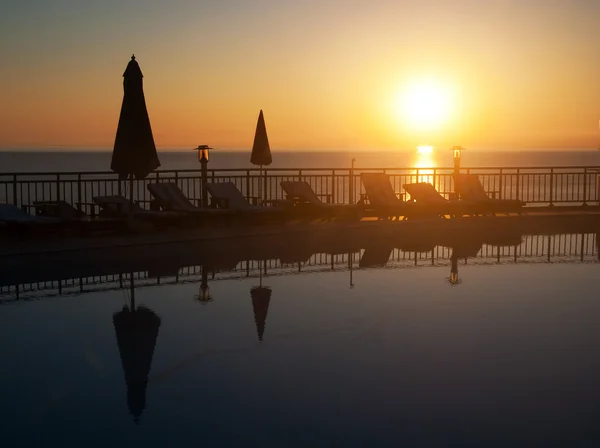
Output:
(424, 149)
(424, 104)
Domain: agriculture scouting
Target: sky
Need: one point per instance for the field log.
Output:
(328, 74)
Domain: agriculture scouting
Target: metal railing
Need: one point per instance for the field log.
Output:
(542, 186)
(534, 249)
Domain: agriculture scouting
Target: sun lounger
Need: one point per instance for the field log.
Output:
(302, 195)
(56, 209)
(425, 195)
(381, 195)
(383, 200)
(73, 218)
(471, 190)
(169, 197)
(226, 196)
(120, 207)
(14, 219)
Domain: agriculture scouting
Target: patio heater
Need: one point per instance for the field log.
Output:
(203, 159)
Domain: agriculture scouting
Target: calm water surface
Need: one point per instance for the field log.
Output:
(391, 356)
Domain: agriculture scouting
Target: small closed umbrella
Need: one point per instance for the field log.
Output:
(261, 151)
(134, 152)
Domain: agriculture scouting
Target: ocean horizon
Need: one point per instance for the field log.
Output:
(40, 160)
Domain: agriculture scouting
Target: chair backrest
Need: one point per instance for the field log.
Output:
(379, 189)
(300, 190)
(117, 205)
(469, 188)
(424, 192)
(227, 192)
(171, 197)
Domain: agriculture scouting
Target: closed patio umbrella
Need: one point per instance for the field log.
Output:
(261, 151)
(134, 152)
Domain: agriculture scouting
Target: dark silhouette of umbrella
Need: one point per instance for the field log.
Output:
(261, 297)
(137, 332)
(134, 153)
(261, 151)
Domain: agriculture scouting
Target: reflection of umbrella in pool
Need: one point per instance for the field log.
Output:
(137, 332)
(134, 153)
(261, 296)
(261, 150)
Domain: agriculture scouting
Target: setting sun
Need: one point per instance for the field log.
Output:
(424, 104)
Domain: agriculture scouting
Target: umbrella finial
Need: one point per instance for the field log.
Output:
(133, 57)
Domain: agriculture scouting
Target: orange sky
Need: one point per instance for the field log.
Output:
(327, 74)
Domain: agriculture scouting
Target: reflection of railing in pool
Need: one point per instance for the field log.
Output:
(565, 248)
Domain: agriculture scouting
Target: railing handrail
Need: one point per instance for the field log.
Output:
(241, 170)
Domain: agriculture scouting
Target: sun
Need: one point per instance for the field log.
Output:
(424, 104)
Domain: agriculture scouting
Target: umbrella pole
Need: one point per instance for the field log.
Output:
(260, 183)
(132, 291)
(131, 196)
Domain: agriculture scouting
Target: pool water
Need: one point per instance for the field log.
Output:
(507, 355)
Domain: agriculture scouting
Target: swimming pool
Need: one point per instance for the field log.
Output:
(327, 352)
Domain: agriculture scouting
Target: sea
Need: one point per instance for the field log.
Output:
(84, 160)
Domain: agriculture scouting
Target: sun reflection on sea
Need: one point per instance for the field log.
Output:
(424, 164)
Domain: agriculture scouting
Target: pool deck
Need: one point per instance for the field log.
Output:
(543, 222)
(224, 247)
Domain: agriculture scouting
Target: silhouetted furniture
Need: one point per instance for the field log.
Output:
(226, 196)
(425, 195)
(116, 206)
(74, 218)
(15, 220)
(384, 202)
(375, 256)
(381, 195)
(56, 209)
(302, 195)
(169, 197)
(470, 189)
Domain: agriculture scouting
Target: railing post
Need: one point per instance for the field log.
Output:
(500, 193)
(14, 189)
(248, 185)
(57, 188)
(551, 187)
(351, 198)
(79, 201)
(333, 198)
(585, 188)
(518, 183)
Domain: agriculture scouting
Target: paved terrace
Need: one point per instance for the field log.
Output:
(220, 247)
